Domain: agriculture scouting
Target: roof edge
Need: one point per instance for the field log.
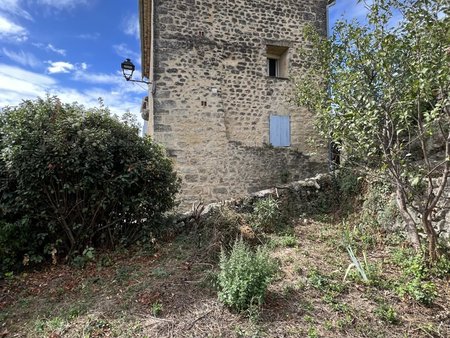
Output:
(145, 22)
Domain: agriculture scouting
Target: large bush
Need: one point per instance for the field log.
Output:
(71, 178)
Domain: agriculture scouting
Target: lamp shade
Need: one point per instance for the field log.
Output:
(128, 69)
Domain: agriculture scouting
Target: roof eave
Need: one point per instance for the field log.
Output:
(145, 20)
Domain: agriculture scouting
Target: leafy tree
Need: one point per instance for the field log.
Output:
(71, 178)
(381, 90)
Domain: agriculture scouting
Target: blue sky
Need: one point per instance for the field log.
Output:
(73, 49)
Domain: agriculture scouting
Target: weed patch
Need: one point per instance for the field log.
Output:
(415, 281)
(244, 276)
(387, 314)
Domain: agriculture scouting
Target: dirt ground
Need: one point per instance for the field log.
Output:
(169, 291)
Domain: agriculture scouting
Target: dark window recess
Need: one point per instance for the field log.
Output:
(277, 61)
(204, 103)
(272, 65)
(201, 33)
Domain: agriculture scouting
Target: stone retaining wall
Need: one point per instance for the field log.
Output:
(302, 192)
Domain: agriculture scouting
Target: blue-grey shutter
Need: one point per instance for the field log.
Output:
(280, 131)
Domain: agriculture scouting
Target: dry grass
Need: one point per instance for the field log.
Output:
(170, 293)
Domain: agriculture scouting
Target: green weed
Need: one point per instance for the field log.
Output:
(324, 283)
(98, 328)
(284, 241)
(244, 276)
(312, 333)
(415, 281)
(80, 261)
(387, 313)
(156, 309)
(43, 326)
(160, 273)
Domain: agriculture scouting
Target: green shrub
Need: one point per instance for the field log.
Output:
(361, 236)
(13, 239)
(266, 214)
(72, 178)
(244, 276)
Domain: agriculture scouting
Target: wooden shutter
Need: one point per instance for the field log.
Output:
(280, 131)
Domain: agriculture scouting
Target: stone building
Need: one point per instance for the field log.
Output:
(221, 92)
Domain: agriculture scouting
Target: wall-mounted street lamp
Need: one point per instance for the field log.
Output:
(128, 70)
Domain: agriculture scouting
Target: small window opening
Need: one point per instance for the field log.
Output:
(272, 65)
(204, 103)
(277, 61)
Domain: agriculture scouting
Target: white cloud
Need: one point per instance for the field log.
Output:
(80, 73)
(60, 67)
(11, 31)
(17, 84)
(125, 52)
(21, 57)
(88, 36)
(130, 25)
(121, 50)
(52, 48)
(62, 4)
(13, 7)
(116, 81)
(98, 78)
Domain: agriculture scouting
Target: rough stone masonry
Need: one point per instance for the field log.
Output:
(222, 102)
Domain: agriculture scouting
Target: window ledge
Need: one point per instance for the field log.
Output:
(277, 78)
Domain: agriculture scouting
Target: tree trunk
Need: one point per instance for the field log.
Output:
(411, 226)
(68, 232)
(431, 238)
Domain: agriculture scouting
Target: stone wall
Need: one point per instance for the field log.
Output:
(214, 97)
(236, 170)
(301, 194)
